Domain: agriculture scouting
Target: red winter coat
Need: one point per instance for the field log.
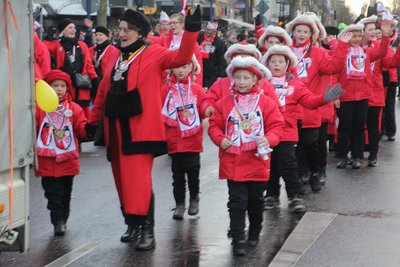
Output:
(42, 58)
(105, 59)
(246, 166)
(221, 89)
(178, 144)
(165, 41)
(47, 166)
(321, 63)
(355, 90)
(303, 96)
(394, 61)
(57, 50)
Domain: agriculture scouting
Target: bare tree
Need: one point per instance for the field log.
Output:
(102, 13)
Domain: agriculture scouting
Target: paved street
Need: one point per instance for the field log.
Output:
(363, 230)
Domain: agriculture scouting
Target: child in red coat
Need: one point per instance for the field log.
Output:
(57, 149)
(184, 106)
(245, 125)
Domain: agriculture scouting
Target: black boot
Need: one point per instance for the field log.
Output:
(253, 238)
(193, 206)
(179, 210)
(315, 182)
(147, 240)
(239, 248)
(59, 228)
(131, 234)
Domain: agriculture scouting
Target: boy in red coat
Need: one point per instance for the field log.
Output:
(57, 149)
(245, 125)
(184, 106)
(291, 92)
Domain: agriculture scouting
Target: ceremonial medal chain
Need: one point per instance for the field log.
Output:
(97, 61)
(122, 66)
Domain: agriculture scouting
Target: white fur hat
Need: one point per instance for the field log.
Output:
(163, 16)
(242, 48)
(277, 32)
(369, 20)
(280, 50)
(321, 28)
(351, 28)
(250, 64)
(303, 20)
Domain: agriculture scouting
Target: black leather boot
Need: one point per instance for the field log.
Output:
(131, 234)
(239, 247)
(179, 210)
(59, 228)
(147, 240)
(193, 206)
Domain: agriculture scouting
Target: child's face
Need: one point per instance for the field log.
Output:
(273, 40)
(60, 87)
(355, 41)
(378, 34)
(370, 32)
(302, 34)
(182, 72)
(244, 80)
(277, 65)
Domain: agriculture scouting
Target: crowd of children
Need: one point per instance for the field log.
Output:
(269, 117)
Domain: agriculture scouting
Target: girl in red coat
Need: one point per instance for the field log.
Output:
(291, 92)
(72, 56)
(57, 149)
(356, 80)
(245, 125)
(184, 106)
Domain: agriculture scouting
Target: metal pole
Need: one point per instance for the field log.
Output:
(334, 14)
(88, 8)
(130, 4)
(211, 10)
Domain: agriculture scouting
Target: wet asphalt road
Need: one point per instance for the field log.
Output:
(366, 201)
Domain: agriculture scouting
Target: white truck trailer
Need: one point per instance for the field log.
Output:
(16, 122)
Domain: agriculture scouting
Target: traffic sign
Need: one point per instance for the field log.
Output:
(262, 7)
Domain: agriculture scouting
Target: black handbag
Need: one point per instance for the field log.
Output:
(82, 81)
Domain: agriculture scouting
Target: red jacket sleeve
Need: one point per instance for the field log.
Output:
(216, 130)
(306, 98)
(214, 92)
(394, 61)
(273, 122)
(202, 102)
(381, 50)
(42, 56)
(332, 61)
(172, 59)
(79, 121)
(88, 64)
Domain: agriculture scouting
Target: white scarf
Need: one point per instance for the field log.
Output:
(355, 63)
(56, 136)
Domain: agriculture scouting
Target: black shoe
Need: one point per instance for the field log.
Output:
(253, 238)
(229, 233)
(305, 178)
(59, 229)
(297, 204)
(239, 248)
(131, 234)
(271, 203)
(342, 164)
(391, 138)
(193, 206)
(315, 182)
(179, 210)
(372, 162)
(147, 240)
(356, 163)
(322, 176)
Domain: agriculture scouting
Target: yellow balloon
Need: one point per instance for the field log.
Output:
(46, 98)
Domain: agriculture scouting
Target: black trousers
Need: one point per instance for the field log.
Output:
(58, 193)
(374, 135)
(245, 196)
(322, 146)
(389, 120)
(131, 219)
(300, 154)
(183, 164)
(309, 145)
(284, 163)
(352, 119)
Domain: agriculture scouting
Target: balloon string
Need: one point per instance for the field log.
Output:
(11, 117)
